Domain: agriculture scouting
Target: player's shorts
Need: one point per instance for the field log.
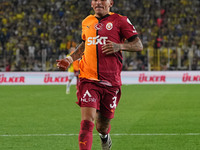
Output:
(103, 98)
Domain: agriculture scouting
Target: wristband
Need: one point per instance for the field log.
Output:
(70, 59)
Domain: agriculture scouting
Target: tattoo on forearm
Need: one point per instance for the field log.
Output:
(79, 51)
(133, 46)
(116, 47)
(136, 46)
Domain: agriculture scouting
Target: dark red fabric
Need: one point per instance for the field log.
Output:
(85, 135)
(116, 28)
(97, 95)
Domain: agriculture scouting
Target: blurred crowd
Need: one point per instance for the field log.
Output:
(33, 34)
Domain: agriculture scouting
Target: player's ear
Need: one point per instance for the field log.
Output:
(111, 3)
(91, 3)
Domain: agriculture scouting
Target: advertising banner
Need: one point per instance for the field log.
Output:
(128, 77)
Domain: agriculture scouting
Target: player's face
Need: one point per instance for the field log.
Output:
(101, 7)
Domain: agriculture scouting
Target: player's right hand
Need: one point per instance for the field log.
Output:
(63, 64)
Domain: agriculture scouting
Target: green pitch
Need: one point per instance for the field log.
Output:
(149, 117)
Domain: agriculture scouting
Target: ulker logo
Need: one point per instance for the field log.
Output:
(152, 78)
(13, 79)
(190, 78)
(59, 79)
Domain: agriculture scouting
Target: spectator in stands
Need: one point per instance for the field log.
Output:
(41, 21)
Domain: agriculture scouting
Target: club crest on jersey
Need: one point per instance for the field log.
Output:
(109, 26)
(98, 26)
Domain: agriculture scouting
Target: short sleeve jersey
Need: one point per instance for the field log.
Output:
(95, 65)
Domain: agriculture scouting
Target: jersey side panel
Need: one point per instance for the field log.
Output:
(88, 63)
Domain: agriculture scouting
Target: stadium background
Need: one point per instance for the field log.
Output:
(33, 34)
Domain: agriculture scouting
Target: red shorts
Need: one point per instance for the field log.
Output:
(103, 98)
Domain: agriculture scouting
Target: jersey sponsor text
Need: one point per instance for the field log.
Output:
(97, 40)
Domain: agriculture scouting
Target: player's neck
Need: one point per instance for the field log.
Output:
(101, 17)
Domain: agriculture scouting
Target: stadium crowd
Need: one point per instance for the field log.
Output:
(33, 34)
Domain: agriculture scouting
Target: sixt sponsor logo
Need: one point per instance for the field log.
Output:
(97, 40)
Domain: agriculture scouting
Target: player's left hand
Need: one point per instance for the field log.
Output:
(110, 47)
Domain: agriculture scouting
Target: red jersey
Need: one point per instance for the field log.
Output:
(95, 65)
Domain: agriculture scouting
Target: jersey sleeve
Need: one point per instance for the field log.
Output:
(126, 28)
(76, 65)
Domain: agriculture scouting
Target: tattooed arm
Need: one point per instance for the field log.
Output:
(132, 46)
(63, 64)
(78, 52)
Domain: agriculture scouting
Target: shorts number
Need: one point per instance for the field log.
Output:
(114, 102)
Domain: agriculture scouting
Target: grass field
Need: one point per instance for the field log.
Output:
(149, 117)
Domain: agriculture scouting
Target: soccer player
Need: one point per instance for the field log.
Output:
(99, 90)
(73, 71)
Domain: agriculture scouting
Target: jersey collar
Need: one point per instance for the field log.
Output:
(103, 17)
